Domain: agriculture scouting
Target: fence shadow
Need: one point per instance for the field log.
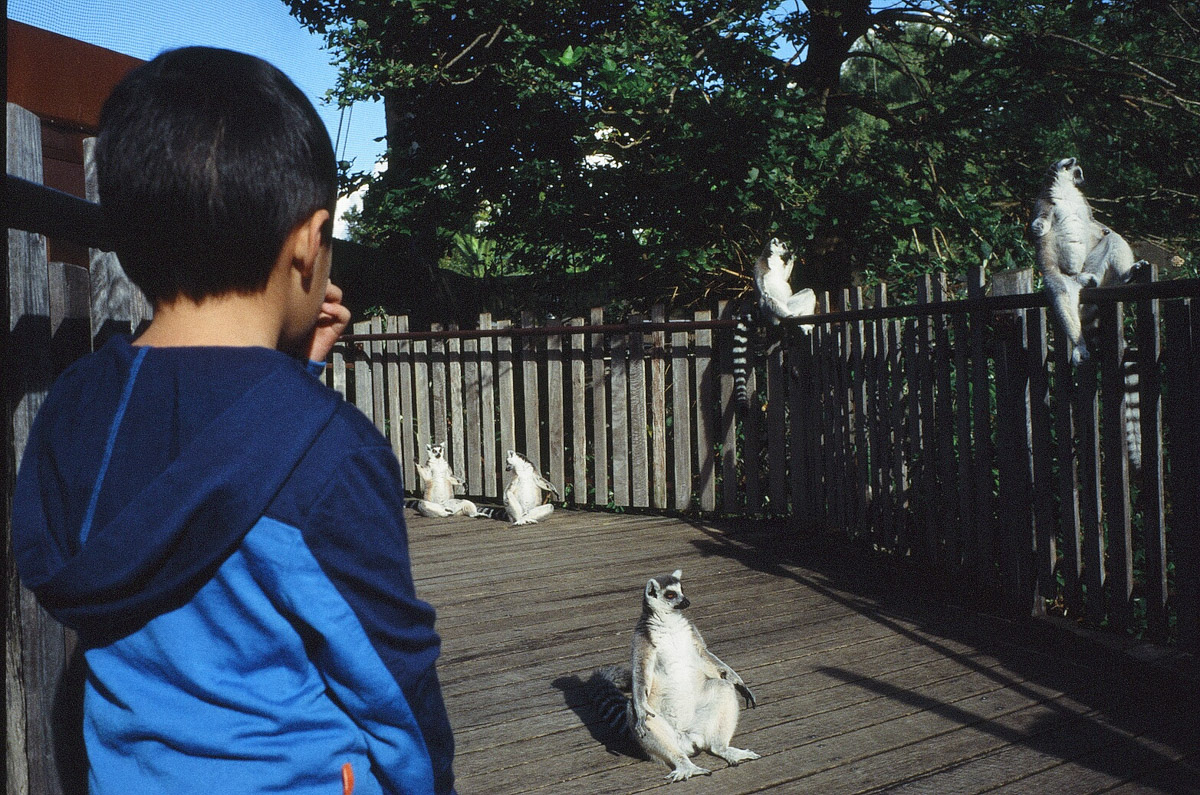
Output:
(1123, 699)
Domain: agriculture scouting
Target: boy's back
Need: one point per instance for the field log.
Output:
(225, 533)
(219, 589)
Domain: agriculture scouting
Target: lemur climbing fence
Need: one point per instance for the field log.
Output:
(949, 430)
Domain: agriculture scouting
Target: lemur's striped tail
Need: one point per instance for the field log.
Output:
(1133, 408)
(489, 512)
(606, 688)
(741, 360)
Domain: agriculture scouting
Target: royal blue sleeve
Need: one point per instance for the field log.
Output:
(357, 534)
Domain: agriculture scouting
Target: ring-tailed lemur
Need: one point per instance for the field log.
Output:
(1075, 251)
(776, 301)
(684, 698)
(437, 489)
(523, 498)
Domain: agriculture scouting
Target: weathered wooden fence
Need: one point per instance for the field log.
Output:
(953, 432)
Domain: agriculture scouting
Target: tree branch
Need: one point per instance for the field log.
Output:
(1097, 51)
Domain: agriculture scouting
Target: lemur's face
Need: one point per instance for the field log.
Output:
(776, 253)
(514, 461)
(665, 594)
(1069, 168)
(435, 451)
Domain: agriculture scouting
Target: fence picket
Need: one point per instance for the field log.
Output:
(404, 361)
(531, 403)
(681, 394)
(454, 398)
(395, 433)
(658, 409)
(1150, 403)
(555, 431)
(1115, 474)
(487, 412)
(599, 413)
(639, 459)
(360, 360)
(706, 401)
(579, 417)
(374, 351)
(473, 421)
(618, 348)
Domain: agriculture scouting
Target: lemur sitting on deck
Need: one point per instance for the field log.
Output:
(523, 499)
(437, 489)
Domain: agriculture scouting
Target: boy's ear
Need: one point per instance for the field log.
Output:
(307, 241)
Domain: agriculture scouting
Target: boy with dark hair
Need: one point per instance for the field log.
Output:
(224, 532)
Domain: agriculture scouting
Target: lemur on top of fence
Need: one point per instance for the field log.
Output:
(1076, 251)
(776, 301)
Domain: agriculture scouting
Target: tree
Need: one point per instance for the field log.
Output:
(654, 144)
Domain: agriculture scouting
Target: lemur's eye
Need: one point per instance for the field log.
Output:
(670, 594)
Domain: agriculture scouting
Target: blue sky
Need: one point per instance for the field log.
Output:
(259, 27)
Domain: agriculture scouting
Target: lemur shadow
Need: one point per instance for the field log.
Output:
(575, 693)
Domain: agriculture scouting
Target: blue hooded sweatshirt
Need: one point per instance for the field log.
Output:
(227, 537)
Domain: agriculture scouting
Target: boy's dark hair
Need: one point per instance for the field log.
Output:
(206, 160)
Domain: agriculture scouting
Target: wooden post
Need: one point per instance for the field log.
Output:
(472, 402)
(706, 402)
(1182, 406)
(37, 649)
(492, 462)
(361, 359)
(1043, 486)
(395, 428)
(374, 351)
(618, 348)
(658, 409)
(555, 403)
(454, 400)
(1115, 474)
(681, 396)
(1065, 422)
(1149, 351)
(118, 306)
(531, 403)
(599, 412)
(639, 454)
(404, 357)
(438, 427)
(579, 417)
(506, 405)
(944, 422)
(982, 553)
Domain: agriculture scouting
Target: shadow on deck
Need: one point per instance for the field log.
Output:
(862, 686)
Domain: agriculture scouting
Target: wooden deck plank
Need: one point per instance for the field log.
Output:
(861, 687)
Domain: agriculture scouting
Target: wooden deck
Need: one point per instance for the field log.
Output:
(860, 688)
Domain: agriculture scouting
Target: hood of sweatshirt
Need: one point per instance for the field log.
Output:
(146, 467)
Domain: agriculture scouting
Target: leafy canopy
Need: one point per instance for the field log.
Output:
(654, 144)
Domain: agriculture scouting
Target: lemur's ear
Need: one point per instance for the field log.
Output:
(651, 588)
(677, 574)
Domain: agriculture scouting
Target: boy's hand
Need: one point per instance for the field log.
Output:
(331, 323)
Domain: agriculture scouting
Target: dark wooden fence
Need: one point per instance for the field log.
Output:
(952, 432)
(949, 432)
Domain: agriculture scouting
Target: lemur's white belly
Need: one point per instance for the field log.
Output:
(678, 674)
(529, 494)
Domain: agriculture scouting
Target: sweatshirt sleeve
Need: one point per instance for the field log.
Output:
(357, 534)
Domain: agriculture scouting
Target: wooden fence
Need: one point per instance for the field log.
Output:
(953, 432)
(949, 431)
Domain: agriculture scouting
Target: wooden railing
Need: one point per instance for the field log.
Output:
(949, 431)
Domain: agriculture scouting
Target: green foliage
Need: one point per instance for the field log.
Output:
(653, 145)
